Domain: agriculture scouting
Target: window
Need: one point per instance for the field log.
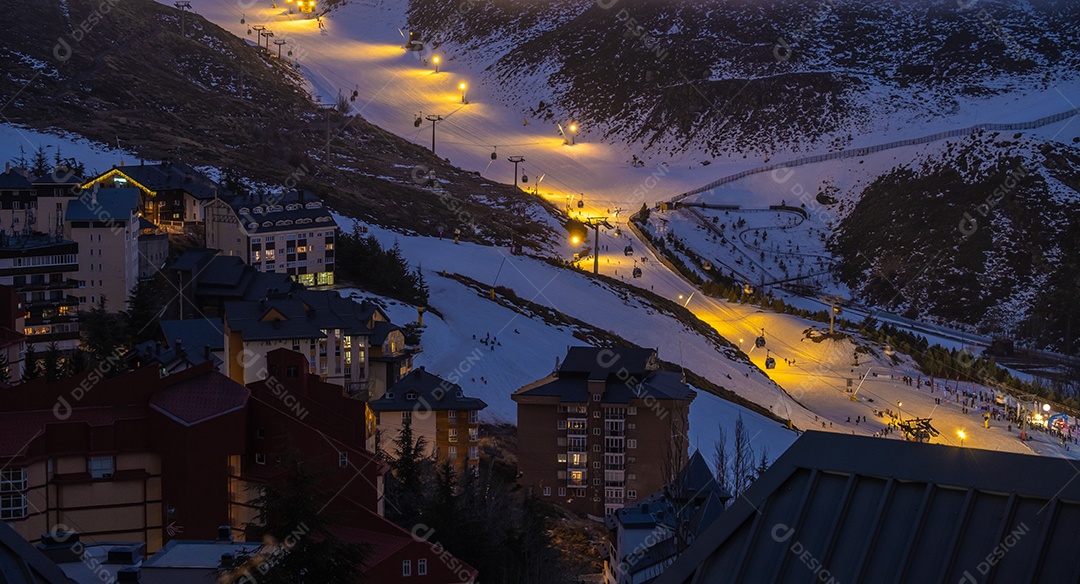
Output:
(100, 467)
(451, 453)
(561, 441)
(631, 411)
(631, 494)
(421, 567)
(596, 464)
(474, 416)
(474, 434)
(12, 480)
(343, 459)
(260, 433)
(451, 416)
(561, 458)
(260, 459)
(453, 434)
(596, 448)
(474, 453)
(406, 417)
(596, 397)
(411, 396)
(596, 431)
(631, 477)
(596, 414)
(12, 506)
(406, 568)
(561, 424)
(631, 443)
(547, 491)
(562, 491)
(596, 482)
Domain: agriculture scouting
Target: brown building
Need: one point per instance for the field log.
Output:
(435, 409)
(603, 429)
(171, 194)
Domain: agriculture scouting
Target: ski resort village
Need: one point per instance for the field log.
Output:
(539, 292)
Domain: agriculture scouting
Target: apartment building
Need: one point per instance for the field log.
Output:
(105, 224)
(334, 333)
(437, 410)
(41, 269)
(287, 233)
(602, 429)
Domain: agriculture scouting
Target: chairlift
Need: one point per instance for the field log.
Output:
(628, 250)
(416, 123)
(760, 342)
(637, 272)
(770, 363)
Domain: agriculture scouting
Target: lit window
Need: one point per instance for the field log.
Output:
(453, 434)
(100, 467)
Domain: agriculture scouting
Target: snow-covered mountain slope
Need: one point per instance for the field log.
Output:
(755, 77)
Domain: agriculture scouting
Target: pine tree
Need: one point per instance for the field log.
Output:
(39, 164)
(52, 366)
(300, 546)
(31, 370)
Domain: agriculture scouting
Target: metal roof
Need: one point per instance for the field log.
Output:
(601, 363)
(656, 384)
(848, 509)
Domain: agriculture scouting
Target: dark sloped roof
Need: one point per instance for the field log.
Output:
(174, 175)
(431, 390)
(194, 333)
(107, 205)
(14, 180)
(857, 509)
(252, 212)
(200, 398)
(657, 384)
(22, 563)
(305, 315)
(600, 363)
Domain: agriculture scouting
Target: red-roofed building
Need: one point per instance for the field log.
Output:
(140, 457)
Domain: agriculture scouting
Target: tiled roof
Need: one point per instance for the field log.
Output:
(856, 509)
(432, 391)
(200, 398)
(194, 333)
(304, 315)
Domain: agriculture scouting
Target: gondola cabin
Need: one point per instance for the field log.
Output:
(770, 363)
(581, 204)
(629, 250)
(760, 342)
(637, 272)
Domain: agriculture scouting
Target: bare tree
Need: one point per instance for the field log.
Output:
(742, 464)
(723, 478)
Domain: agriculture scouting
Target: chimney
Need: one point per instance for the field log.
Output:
(60, 547)
(127, 555)
(224, 533)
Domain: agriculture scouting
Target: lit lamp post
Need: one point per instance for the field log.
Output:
(573, 132)
(462, 87)
(962, 435)
(899, 414)
(435, 61)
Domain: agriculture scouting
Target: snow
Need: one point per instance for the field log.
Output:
(360, 47)
(96, 156)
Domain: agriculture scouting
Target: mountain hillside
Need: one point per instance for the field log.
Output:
(753, 76)
(122, 72)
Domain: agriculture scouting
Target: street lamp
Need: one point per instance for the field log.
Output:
(898, 412)
(462, 87)
(962, 435)
(575, 240)
(435, 61)
(573, 132)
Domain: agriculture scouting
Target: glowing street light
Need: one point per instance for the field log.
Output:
(962, 435)
(575, 240)
(435, 61)
(573, 132)
(462, 87)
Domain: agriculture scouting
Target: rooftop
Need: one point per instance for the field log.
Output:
(286, 211)
(12, 179)
(656, 384)
(605, 363)
(301, 315)
(97, 204)
(876, 510)
(435, 392)
(171, 176)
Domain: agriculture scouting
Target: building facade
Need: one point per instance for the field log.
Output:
(42, 270)
(435, 409)
(171, 194)
(288, 233)
(602, 429)
(105, 224)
